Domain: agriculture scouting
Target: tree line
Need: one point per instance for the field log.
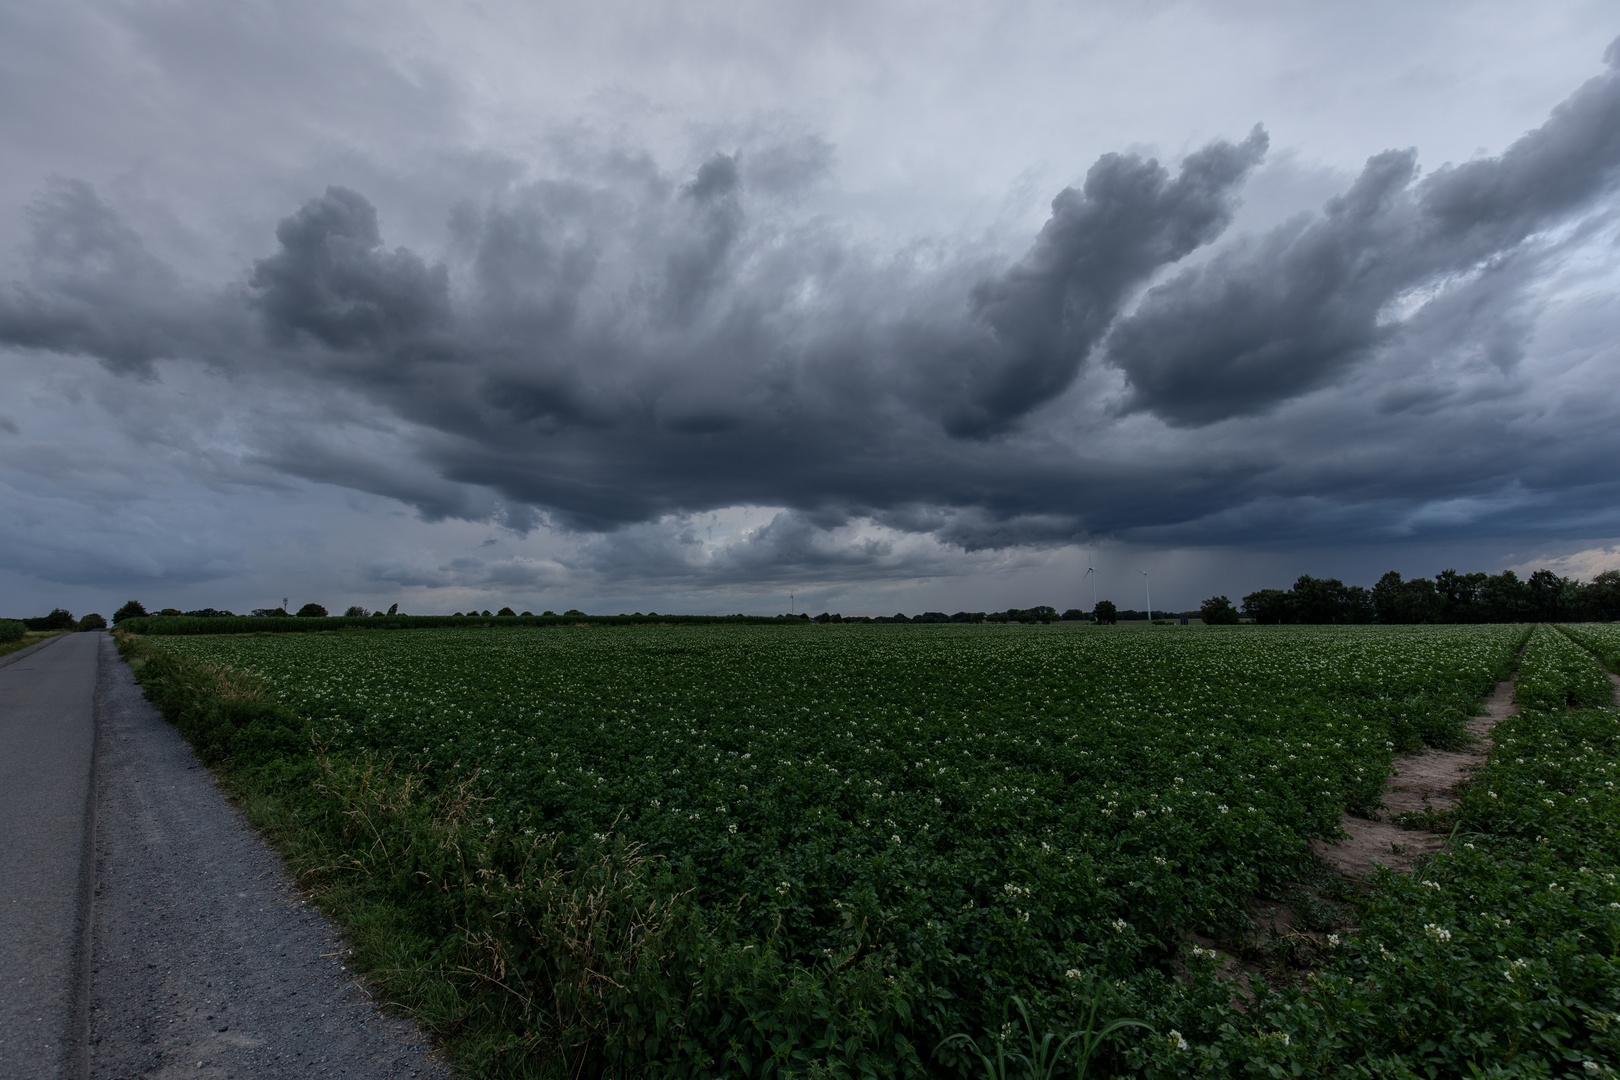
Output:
(1449, 597)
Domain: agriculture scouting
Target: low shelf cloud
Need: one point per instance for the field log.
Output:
(718, 348)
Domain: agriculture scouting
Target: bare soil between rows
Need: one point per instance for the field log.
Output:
(1418, 783)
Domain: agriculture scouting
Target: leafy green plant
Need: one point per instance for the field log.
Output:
(868, 838)
(1045, 1056)
(1557, 673)
(130, 610)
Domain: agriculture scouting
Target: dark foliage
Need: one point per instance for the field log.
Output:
(1450, 597)
(130, 610)
(1218, 611)
(311, 611)
(58, 619)
(92, 621)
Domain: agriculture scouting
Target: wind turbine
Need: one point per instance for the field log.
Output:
(1090, 570)
(1148, 585)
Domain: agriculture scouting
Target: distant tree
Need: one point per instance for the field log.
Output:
(574, 613)
(1548, 596)
(1105, 612)
(1409, 602)
(1504, 598)
(1325, 600)
(393, 609)
(548, 613)
(311, 611)
(932, 617)
(92, 621)
(457, 615)
(355, 611)
(58, 619)
(132, 609)
(1459, 596)
(900, 616)
(1074, 614)
(1269, 606)
(269, 613)
(12, 630)
(379, 613)
(1600, 601)
(528, 614)
(210, 613)
(504, 611)
(1218, 611)
(170, 611)
(1358, 606)
(1387, 597)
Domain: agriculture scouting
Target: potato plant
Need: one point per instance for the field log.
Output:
(979, 811)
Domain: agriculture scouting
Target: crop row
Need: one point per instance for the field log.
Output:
(1556, 673)
(1499, 956)
(1603, 639)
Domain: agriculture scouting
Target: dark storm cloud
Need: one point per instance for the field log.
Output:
(333, 281)
(1294, 309)
(614, 349)
(1044, 315)
(636, 347)
(92, 286)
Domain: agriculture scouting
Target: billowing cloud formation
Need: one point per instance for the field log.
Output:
(639, 347)
(332, 282)
(1294, 309)
(613, 349)
(1045, 314)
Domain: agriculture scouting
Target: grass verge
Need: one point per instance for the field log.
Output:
(30, 637)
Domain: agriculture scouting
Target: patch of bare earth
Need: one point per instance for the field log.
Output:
(1420, 783)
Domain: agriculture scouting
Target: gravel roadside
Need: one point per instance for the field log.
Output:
(206, 960)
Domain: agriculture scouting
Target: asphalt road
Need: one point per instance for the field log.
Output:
(150, 932)
(47, 748)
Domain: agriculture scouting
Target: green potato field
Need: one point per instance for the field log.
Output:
(796, 850)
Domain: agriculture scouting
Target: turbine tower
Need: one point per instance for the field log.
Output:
(1090, 573)
(1148, 585)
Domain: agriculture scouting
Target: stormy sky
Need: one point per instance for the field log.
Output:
(890, 306)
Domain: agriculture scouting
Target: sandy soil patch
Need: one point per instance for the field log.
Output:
(1420, 782)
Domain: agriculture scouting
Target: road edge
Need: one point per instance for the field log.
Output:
(30, 650)
(76, 1049)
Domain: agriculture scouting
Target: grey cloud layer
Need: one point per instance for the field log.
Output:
(617, 346)
(1294, 309)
